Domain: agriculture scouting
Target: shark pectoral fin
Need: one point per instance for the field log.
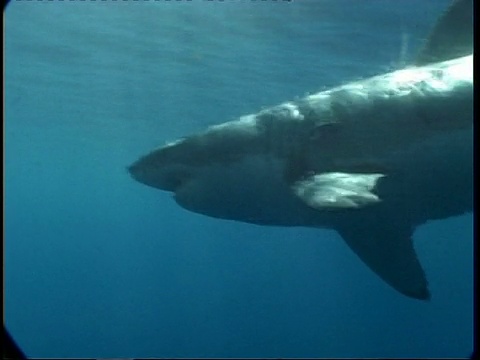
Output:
(388, 250)
(337, 190)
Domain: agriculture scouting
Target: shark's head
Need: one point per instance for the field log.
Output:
(206, 174)
(201, 170)
(177, 163)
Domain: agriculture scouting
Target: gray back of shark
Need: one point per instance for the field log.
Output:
(372, 159)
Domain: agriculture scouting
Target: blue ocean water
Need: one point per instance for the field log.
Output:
(97, 265)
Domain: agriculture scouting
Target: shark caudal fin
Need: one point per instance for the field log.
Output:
(451, 37)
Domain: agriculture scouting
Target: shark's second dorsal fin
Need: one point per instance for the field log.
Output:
(452, 35)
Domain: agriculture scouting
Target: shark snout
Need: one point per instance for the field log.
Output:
(164, 175)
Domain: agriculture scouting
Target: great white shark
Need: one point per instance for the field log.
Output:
(372, 159)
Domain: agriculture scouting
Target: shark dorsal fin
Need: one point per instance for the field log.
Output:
(452, 35)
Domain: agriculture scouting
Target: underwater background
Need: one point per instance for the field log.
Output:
(98, 265)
